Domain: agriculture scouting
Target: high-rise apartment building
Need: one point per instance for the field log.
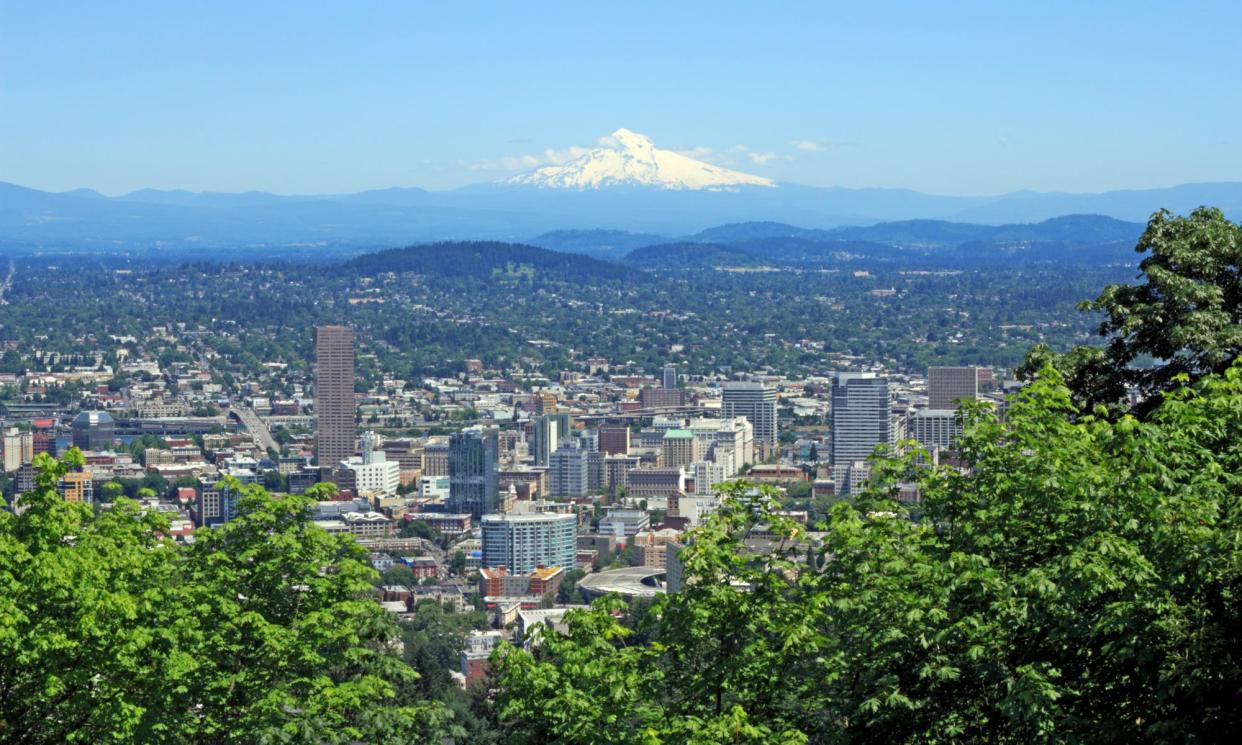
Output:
(18, 448)
(522, 542)
(335, 429)
(757, 403)
(861, 416)
(568, 468)
(474, 473)
(948, 386)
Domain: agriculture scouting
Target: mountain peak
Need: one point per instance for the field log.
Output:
(632, 140)
(632, 159)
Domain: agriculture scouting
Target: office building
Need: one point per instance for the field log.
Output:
(647, 483)
(77, 486)
(669, 377)
(18, 448)
(93, 430)
(569, 472)
(545, 403)
(755, 402)
(335, 428)
(546, 438)
(861, 416)
(735, 434)
(374, 474)
(616, 468)
(935, 428)
(948, 386)
(681, 448)
(474, 473)
(614, 439)
(436, 458)
(661, 398)
(523, 542)
(217, 503)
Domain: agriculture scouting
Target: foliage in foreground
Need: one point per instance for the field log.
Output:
(1080, 584)
(1183, 322)
(263, 631)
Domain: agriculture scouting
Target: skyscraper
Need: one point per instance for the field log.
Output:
(546, 439)
(334, 394)
(474, 473)
(861, 416)
(948, 386)
(568, 469)
(669, 378)
(755, 402)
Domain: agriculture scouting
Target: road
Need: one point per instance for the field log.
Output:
(253, 425)
(7, 284)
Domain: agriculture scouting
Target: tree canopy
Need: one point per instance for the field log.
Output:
(1078, 582)
(1183, 320)
(264, 630)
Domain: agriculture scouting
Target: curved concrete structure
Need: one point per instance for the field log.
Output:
(628, 582)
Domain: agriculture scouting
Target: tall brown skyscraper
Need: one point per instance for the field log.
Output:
(334, 394)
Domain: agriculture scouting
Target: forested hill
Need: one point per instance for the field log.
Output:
(691, 256)
(484, 259)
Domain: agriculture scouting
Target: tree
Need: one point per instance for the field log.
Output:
(1076, 582)
(264, 630)
(398, 574)
(1185, 319)
(94, 638)
(457, 563)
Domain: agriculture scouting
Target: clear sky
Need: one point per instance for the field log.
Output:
(312, 97)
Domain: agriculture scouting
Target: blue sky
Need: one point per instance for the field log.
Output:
(313, 97)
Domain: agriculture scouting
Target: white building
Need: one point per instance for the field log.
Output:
(374, 473)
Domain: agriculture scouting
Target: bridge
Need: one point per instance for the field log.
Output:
(254, 425)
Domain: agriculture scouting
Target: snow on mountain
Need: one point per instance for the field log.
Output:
(634, 160)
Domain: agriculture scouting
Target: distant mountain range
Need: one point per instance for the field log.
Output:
(605, 202)
(1069, 240)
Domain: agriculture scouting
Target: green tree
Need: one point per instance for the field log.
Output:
(94, 638)
(1076, 582)
(1183, 322)
(265, 630)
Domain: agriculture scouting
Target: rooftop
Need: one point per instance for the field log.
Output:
(628, 582)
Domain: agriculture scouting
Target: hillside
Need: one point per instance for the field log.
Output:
(487, 259)
(691, 256)
(602, 244)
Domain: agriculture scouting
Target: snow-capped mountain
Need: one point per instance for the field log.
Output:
(634, 160)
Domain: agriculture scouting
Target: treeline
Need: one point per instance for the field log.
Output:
(488, 259)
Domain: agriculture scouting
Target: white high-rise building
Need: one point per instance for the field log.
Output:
(374, 473)
(523, 542)
(568, 471)
(861, 416)
(706, 476)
